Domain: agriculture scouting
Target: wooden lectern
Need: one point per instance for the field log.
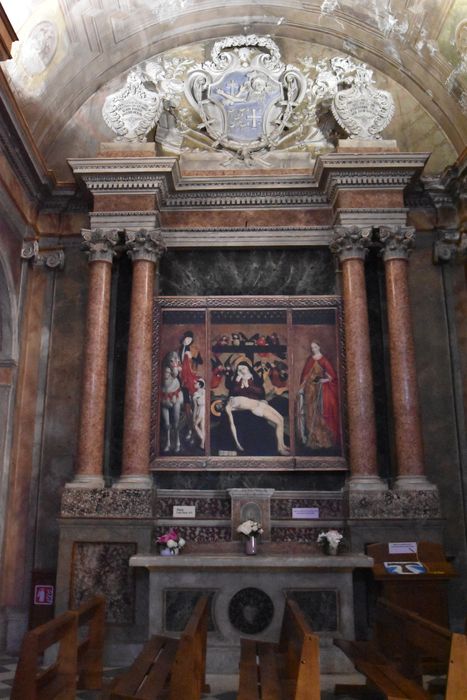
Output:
(414, 575)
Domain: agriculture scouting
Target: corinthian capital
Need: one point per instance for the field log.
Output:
(349, 243)
(100, 243)
(145, 244)
(397, 241)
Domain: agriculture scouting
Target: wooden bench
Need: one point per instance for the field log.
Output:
(91, 621)
(288, 670)
(404, 647)
(167, 668)
(58, 680)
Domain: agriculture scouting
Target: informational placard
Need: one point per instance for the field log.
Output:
(405, 567)
(402, 547)
(43, 595)
(184, 512)
(305, 513)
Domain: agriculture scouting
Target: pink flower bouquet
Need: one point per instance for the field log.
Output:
(170, 543)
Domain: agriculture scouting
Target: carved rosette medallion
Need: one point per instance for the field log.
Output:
(145, 244)
(351, 242)
(362, 110)
(398, 242)
(134, 110)
(100, 244)
(245, 95)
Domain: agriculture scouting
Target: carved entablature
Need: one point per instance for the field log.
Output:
(397, 241)
(100, 244)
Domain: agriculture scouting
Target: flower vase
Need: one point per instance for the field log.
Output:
(331, 549)
(167, 552)
(251, 545)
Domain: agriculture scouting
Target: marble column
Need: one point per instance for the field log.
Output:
(351, 245)
(89, 468)
(397, 243)
(145, 248)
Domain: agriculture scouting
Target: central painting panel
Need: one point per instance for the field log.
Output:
(248, 383)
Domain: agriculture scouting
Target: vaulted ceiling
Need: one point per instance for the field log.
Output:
(72, 53)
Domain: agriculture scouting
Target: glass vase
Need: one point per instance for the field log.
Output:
(251, 545)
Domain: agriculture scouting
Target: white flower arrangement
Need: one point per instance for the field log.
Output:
(250, 528)
(330, 540)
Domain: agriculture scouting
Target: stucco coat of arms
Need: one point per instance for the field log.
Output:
(245, 96)
(247, 102)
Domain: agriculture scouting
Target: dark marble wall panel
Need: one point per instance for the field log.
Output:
(100, 568)
(329, 508)
(240, 272)
(62, 400)
(318, 607)
(434, 363)
(285, 481)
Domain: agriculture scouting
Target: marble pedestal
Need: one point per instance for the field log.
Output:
(325, 581)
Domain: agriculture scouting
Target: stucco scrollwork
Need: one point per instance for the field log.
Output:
(145, 244)
(134, 110)
(52, 259)
(245, 95)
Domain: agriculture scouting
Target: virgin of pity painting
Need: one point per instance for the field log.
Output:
(248, 383)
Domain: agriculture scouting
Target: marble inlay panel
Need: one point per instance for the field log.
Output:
(251, 611)
(318, 607)
(329, 508)
(395, 504)
(101, 568)
(295, 534)
(105, 503)
(198, 534)
(206, 508)
(179, 604)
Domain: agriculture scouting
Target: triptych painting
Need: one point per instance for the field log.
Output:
(248, 383)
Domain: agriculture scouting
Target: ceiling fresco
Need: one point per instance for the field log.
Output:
(72, 54)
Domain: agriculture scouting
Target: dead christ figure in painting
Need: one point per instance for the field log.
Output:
(171, 401)
(247, 394)
(318, 409)
(199, 405)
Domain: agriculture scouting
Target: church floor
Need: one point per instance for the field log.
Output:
(222, 687)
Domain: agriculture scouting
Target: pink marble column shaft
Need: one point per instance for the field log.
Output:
(89, 471)
(136, 434)
(145, 248)
(360, 404)
(408, 433)
(350, 245)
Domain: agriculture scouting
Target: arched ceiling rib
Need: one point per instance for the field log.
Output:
(414, 43)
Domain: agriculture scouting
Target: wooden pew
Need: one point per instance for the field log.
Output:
(91, 619)
(57, 680)
(404, 647)
(167, 668)
(288, 670)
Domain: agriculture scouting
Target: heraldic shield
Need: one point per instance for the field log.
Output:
(245, 95)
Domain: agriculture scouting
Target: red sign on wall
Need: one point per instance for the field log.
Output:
(43, 595)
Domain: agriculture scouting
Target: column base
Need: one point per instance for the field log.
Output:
(365, 483)
(134, 481)
(86, 481)
(414, 482)
(16, 626)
